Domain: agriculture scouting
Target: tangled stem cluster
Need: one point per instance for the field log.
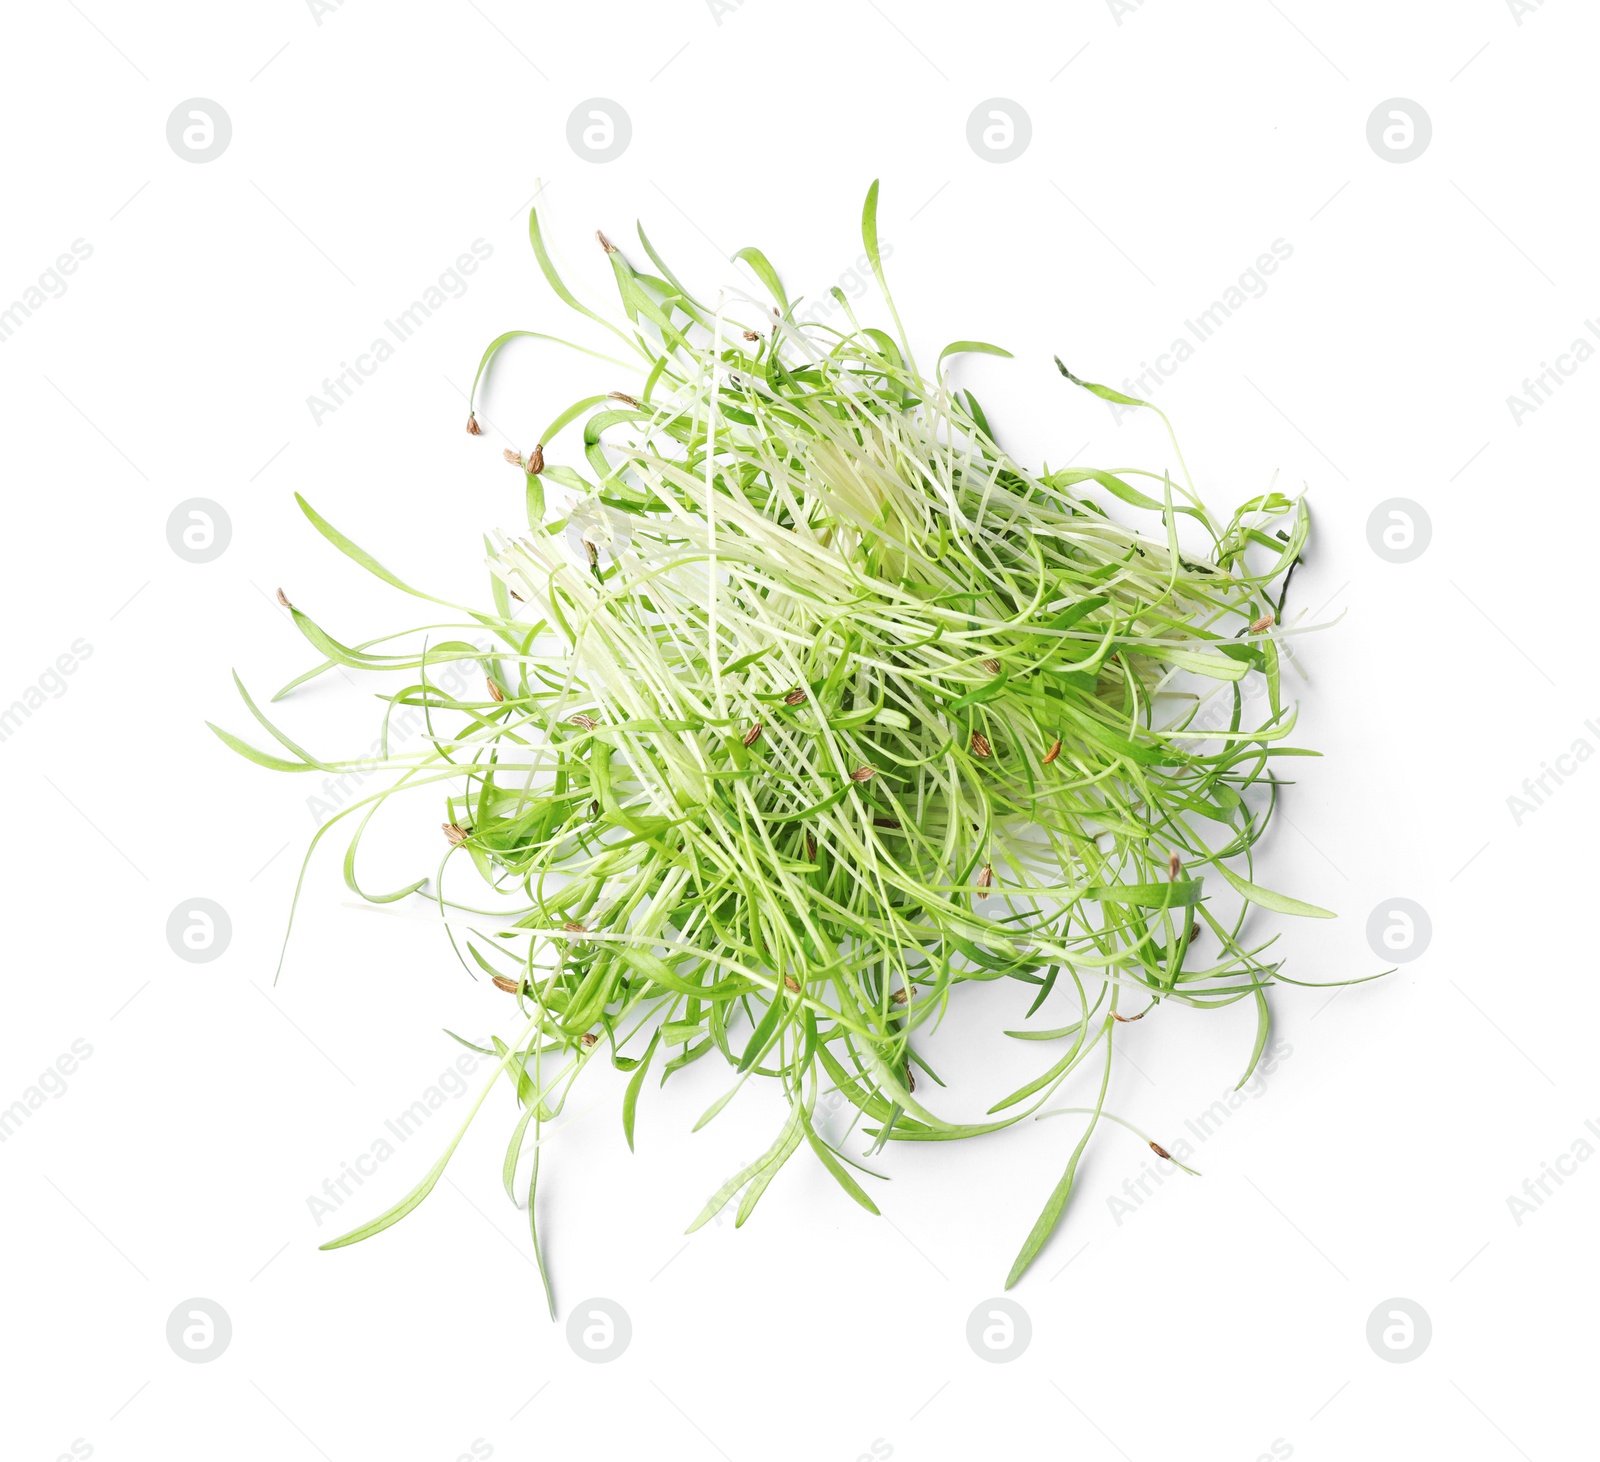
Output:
(815, 706)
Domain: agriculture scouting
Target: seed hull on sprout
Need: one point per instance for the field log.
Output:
(812, 706)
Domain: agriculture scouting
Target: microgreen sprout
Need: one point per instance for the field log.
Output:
(808, 707)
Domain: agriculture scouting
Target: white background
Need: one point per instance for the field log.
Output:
(1171, 145)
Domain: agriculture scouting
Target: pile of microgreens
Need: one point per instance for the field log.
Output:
(815, 706)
